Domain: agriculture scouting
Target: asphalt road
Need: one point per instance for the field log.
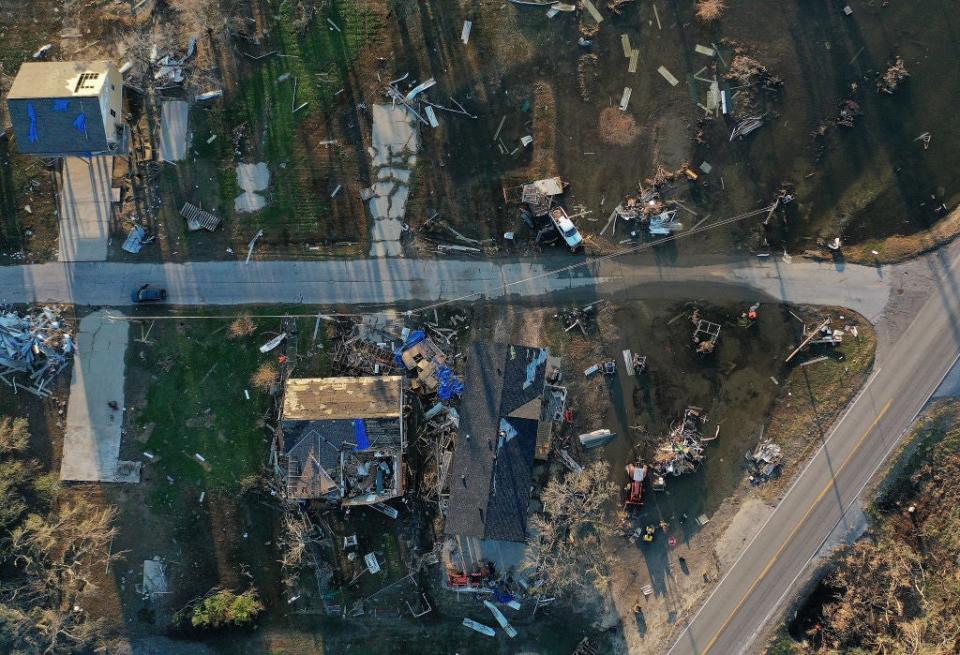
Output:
(423, 281)
(754, 588)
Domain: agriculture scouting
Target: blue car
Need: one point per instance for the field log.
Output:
(147, 294)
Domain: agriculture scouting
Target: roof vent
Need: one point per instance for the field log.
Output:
(87, 81)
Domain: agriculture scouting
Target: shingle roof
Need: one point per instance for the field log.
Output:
(336, 434)
(342, 398)
(506, 518)
(489, 490)
(474, 450)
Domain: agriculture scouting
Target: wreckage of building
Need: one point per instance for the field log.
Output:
(342, 439)
(501, 420)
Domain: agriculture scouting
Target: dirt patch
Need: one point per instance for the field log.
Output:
(544, 130)
(813, 396)
(900, 248)
(617, 127)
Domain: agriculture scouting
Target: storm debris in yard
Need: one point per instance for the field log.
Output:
(764, 462)
(682, 450)
(753, 83)
(705, 333)
(893, 76)
(38, 345)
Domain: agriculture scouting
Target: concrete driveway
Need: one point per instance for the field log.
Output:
(85, 207)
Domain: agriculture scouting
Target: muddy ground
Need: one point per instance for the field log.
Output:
(214, 523)
(746, 389)
(861, 183)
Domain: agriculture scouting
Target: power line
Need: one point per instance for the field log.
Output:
(564, 269)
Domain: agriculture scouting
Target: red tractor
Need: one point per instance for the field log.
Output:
(637, 477)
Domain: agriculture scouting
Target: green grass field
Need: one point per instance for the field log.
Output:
(195, 399)
(310, 67)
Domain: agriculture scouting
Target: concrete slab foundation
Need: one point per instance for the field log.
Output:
(91, 444)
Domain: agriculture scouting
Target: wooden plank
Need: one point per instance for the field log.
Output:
(668, 76)
(634, 56)
(625, 41)
(625, 99)
(589, 6)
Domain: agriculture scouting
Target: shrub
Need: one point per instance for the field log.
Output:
(264, 377)
(221, 608)
(710, 10)
(243, 326)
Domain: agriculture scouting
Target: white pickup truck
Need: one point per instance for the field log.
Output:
(566, 228)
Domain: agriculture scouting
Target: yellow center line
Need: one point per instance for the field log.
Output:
(820, 496)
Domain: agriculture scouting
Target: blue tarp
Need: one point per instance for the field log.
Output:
(32, 130)
(81, 122)
(360, 432)
(61, 105)
(415, 337)
(450, 384)
(502, 596)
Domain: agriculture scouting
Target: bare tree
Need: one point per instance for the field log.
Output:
(568, 536)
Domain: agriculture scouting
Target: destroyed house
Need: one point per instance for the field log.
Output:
(342, 439)
(61, 108)
(491, 474)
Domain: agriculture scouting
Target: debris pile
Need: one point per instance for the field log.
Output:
(891, 79)
(746, 126)
(683, 449)
(421, 355)
(375, 346)
(435, 440)
(648, 207)
(764, 462)
(577, 317)
(38, 345)
(364, 349)
(849, 110)
(705, 333)
(753, 81)
(418, 105)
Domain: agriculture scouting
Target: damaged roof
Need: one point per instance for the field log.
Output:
(342, 398)
(490, 478)
(59, 79)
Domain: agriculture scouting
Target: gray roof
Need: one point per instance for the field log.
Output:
(56, 79)
(57, 132)
(336, 434)
(491, 503)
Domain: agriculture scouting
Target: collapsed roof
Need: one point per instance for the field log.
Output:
(343, 438)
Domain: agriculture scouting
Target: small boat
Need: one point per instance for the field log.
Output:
(479, 627)
(637, 474)
(596, 438)
(273, 343)
(501, 619)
